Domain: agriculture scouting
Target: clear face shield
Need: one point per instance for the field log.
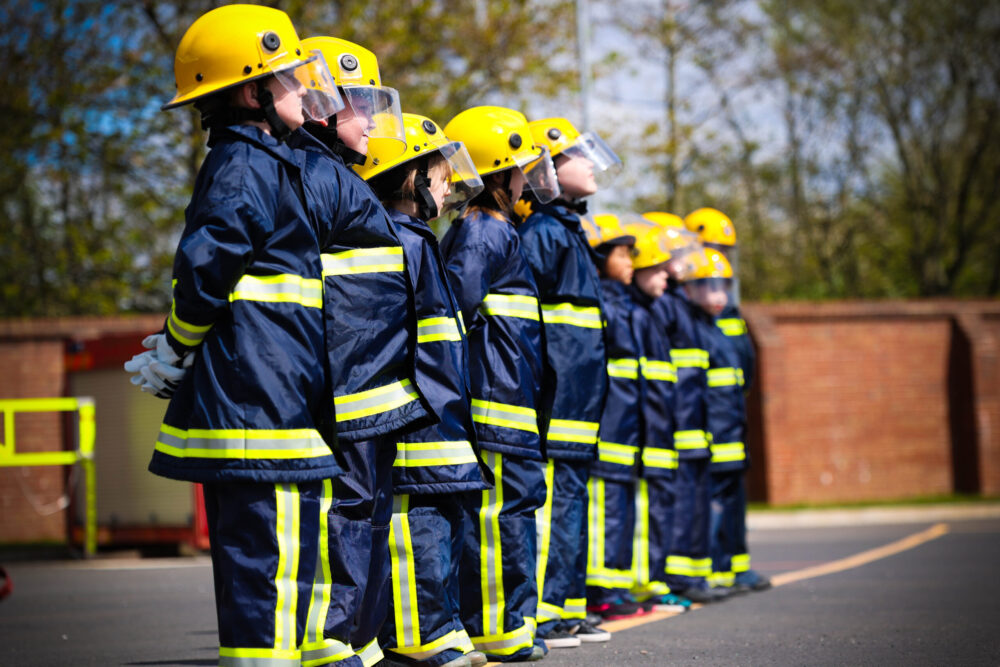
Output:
(540, 175)
(322, 99)
(686, 253)
(713, 295)
(465, 180)
(590, 146)
(378, 108)
(732, 254)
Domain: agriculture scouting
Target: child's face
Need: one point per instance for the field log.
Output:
(619, 264)
(353, 128)
(576, 177)
(652, 280)
(440, 178)
(711, 295)
(288, 103)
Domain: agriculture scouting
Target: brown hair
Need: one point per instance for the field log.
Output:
(494, 200)
(400, 182)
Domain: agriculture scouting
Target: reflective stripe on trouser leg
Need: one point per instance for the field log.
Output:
(498, 594)
(659, 520)
(317, 650)
(689, 563)
(425, 540)
(563, 592)
(729, 550)
(611, 519)
(260, 613)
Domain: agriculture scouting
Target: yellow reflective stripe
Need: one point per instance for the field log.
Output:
(690, 440)
(689, 567)
(732, 326)
(374, 401)
(461, 321)
(363, 260)
(725, 377)
(640, 535)
(568, 430)
(596, 522)
(301, 443)
(404, 578)
(423, 454)
(607, 578)
(624, 368)
(325, 652)
(724, 452)
(654, 369)
(501, 414)
(433, 329)
(658, 457)
(721, 579)
(510, 305)
(287, 505)
(689, 358)
(588, 317)
(314, 646)
(187, 333)
(575, 608)
(611, 452)
(543, 525)
(257, 657)
(740, 562)
(370, 654)
(283, 288)
(491, 554)
(455, 639)
(506, 643)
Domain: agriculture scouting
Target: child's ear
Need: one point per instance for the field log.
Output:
(246, 96)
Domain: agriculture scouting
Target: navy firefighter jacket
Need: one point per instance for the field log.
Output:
(732, 324)
(621, 432)
(443, 457)
(673, 315)
(659, 393)
(248, 298)
(368, 296)
(569, 290)
(499, 300)
(726, 404)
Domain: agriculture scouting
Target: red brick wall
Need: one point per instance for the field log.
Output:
(863, 401)
(28, 496)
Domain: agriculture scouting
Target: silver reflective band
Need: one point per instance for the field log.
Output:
(510, 305)
(657, 457)
(725, 377)
(690, 440)
(241, 443)
(567, 430)
(733, 326)
(610, 452)
(654, 369)
(727, 452)
(285, 288)
(500, 414)
(374, 401)
(422, 454)
(624, 368)
(566, 313)
(363, 260)
(689, 358)
(433, 329)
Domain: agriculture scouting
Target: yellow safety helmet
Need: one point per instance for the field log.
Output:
(232, 45)
(711, 226)
(606, 229)
(355, 71)
(711, 263)
(562, 138)
(499, 138)
(651, 247)
(424, 137)
(665, 219)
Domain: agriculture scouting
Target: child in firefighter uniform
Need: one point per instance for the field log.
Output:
(569, 289)
(249, 418)
(370, 324)
(688, 563)
(611, 487)
(437, 463)
(498, 298)
(716, 232)
(655, 487)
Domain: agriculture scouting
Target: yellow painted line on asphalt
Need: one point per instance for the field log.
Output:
(863, 558)
(857, 560)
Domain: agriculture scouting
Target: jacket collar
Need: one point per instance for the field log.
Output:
(256, 137)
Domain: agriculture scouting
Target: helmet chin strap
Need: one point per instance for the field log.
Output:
(327, 134)
(425, 202)
(279, 130)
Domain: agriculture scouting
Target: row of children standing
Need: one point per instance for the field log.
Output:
(396, 438)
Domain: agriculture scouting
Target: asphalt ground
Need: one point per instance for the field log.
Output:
(919, 593)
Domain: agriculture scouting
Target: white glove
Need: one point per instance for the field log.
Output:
(160, 370)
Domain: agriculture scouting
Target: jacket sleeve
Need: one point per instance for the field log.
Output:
(217, 247)
(470, 273)
(546, 254)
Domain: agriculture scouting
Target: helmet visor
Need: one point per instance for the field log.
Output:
(465, 180)
(540, 175)
(379, 106)
(322, 99)
(713, 295)
(732, 254)
(590, 146)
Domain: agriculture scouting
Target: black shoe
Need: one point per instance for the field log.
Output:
(561, 638)
(594, 619)
(701, 595)
(587, 633)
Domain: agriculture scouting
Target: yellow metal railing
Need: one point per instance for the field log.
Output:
(84, 453)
